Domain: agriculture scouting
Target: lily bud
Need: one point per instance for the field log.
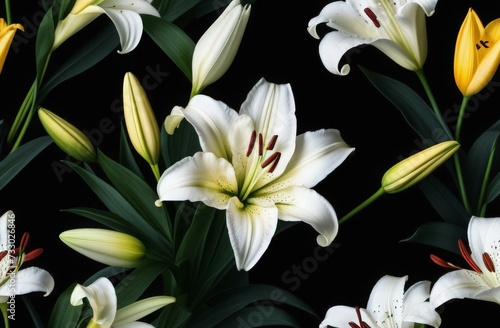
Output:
(7, 33)
(141, 308)
(416, 167)
(140, 120)
(71, 140)
(215, 50)
(106, 246)
(477, 54)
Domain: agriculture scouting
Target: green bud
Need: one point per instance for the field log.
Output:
(416, 167)
(71, 140)
(106, 246)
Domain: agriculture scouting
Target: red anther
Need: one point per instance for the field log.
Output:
(261, 144)
(439, 261)
(468, 258)
(2, 254)
(252, 143)
(33, 254)
(274, 158)
(24, 240)
(272, 142)
(372, 16)
(488, 262)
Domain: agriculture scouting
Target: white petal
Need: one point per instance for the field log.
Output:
(137, 6)
(251, 228)
(306, 205)
(316, 155)
(29, 280)
(102, 299)
(340, 316)
(129, 27)
(416, 307)
(4, 231)
(457, 284)
(202, 177)
(212, 120)
(387, 297)
(272, 108)
(135, 324)
(333, 47)
(483, 235)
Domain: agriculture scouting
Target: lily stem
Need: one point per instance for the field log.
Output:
(3, 308)
(8, 19)
(361, 206)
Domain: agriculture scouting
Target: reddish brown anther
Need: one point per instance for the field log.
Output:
(488, 262)
(272, 142)
(362, 324)
(464, 250)
(261, 144)
(274, 159)
(25, 239)
(372, 16)
(439, 261)
(33, 254)
(252, 143)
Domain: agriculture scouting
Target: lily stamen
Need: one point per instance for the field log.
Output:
(274, 159)
(488, 262)
(372, 16)
(272, 142)
(252, 143)
(464, 250)
(33, 254)
(261, 143)
(442, 263)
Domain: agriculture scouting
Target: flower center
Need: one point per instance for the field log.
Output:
(260, 164)
(362, 324)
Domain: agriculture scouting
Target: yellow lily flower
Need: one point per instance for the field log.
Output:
(416, 167)
(71, 140)
(477, 54)
(7, 33)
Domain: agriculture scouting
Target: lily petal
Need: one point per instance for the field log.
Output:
(386, 298)
(203, 177)
(340, 316)
(102, 299)
(303, 204)
(4, 234)
(251, 228)
(212, 120)
(416, 309)
(29, 280)
(140, 309)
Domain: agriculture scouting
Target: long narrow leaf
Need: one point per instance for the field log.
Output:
(64, 315)
(266, 315)
(440, 234)
(11, 165)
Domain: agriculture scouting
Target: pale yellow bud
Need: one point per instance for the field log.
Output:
(65, 135)
(142, 127)
(106, 246)
(416, 167)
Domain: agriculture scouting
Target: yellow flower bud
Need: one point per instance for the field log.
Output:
(106, 246)
(71, 140)
(216, 49)
(7, 33)
(477, 54)
(416, 167)
(140, 120)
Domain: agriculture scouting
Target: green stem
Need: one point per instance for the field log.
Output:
(481, 207)
(156, 171)
(461, 184)
(460, 119)
(430, 95)
(361, 206)
(3, 308)
(8, 18)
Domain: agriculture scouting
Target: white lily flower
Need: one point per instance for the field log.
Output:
(125, 14)
(388, 306)
(13, 280)
(482, 282)
(255, 167)
(397, 28)
(102, 299)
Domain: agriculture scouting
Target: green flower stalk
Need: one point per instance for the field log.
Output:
(106, 246)
(141, 123)
(409, 172)
(65, 135)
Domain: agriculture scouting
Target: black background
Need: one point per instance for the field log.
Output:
(276, 46)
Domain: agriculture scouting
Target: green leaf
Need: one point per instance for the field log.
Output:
(13, 163)
(440, 234)
(235, 299)
(138, 194)
(64, 315)
(77, 62)
(266, 316)
(414, 109)
(126, 155)
(43, 46)
(171, 10)
(184, 142)
(174, 42)
(117, 204)
(444, 201)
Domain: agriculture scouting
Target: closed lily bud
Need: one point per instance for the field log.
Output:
(140, 120)
(216, 49)
(477, 54)
(416, 167)
(65, 135)
(106, 246)
(7, 33)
